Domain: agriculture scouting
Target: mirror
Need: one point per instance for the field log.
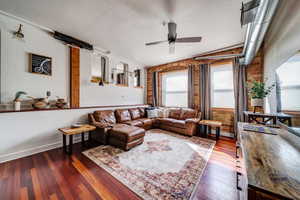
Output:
(120, 74)
(288, 88)
(100, 69)
(137, 78)
(289, 84)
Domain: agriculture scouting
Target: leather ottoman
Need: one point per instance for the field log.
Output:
(125, 136)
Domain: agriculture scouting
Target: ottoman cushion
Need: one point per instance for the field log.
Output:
(126, 133)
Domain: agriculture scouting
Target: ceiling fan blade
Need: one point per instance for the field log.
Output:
(154, 43)
(172, 48)
(189, 39)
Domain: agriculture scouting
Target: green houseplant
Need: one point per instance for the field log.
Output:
(258, 91)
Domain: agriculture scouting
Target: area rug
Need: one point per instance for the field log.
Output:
(165, 166)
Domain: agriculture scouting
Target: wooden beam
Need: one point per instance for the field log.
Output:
(74, 77)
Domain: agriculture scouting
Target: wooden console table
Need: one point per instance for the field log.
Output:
(269, 165)
(264, 118)
(74, 131)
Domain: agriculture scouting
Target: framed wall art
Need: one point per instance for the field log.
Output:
(39, 64)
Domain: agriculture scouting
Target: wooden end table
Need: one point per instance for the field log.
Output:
(74, 131)
(209, 124)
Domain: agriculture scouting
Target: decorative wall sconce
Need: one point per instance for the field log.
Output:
(19, 34)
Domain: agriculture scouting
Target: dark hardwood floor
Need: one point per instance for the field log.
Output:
(54, 175)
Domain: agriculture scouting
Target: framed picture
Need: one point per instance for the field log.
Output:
(40, 64)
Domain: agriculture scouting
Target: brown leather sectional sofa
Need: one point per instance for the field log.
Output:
(180, 120)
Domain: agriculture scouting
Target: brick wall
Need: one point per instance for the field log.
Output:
(254, 71)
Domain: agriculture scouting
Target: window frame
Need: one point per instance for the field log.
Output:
(163, 89)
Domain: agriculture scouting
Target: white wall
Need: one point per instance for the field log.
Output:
(281, 42)
(15, 74)
(15, 65)
(25, 133)
(92, 94)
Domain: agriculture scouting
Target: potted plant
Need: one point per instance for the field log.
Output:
(17, 100)
(258, 91)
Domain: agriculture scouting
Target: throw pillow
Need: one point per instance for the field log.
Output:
(163, 113)
(152, 113)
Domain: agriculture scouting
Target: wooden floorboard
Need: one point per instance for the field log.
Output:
(54, 175)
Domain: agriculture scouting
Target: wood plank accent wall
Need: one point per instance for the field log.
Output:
(74, 77)
(254, 71)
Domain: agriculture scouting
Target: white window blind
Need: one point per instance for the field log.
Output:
(222, 95)
(175, 89)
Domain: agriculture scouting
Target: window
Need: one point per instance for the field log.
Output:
(288, 74)
(175, 89)
(222, 95)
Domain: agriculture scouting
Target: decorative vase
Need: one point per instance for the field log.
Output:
(257, 102)
(40, 103)
(17, 105)
(60, 103)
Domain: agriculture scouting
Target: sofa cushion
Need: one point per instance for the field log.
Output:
(179, 123)
(172, 122)
(187, 113)
(146, 121)
(175, 113)
(135, 113)
(142, 112)
(134, 123)
(122, 115)
(105, 116)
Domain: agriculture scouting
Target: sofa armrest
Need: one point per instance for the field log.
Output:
(192, 120)
(98, 124)
(102, 125)
(191, 126)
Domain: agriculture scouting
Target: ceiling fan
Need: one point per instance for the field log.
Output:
(172, 38)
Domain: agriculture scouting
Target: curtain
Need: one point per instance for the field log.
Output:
(240, 92)
(191, 86)
(278, 93)
(155, 89)
(205, 91)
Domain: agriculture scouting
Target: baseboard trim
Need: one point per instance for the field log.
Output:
(34, 150)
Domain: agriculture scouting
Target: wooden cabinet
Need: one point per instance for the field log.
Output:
(268, 165)
(245, 191)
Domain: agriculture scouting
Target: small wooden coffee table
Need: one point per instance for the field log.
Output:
(208, 124)
(74, 131)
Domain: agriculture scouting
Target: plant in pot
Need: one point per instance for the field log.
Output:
(17, 100)
(258, 91)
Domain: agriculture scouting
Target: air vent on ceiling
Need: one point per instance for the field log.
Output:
(248, 11)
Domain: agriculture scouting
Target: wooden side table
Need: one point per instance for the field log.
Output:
(264, 118)
(74, 131)
(209, 124)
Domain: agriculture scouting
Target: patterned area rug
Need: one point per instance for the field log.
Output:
(165, 166)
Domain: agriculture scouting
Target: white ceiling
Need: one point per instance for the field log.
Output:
(124, 26)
